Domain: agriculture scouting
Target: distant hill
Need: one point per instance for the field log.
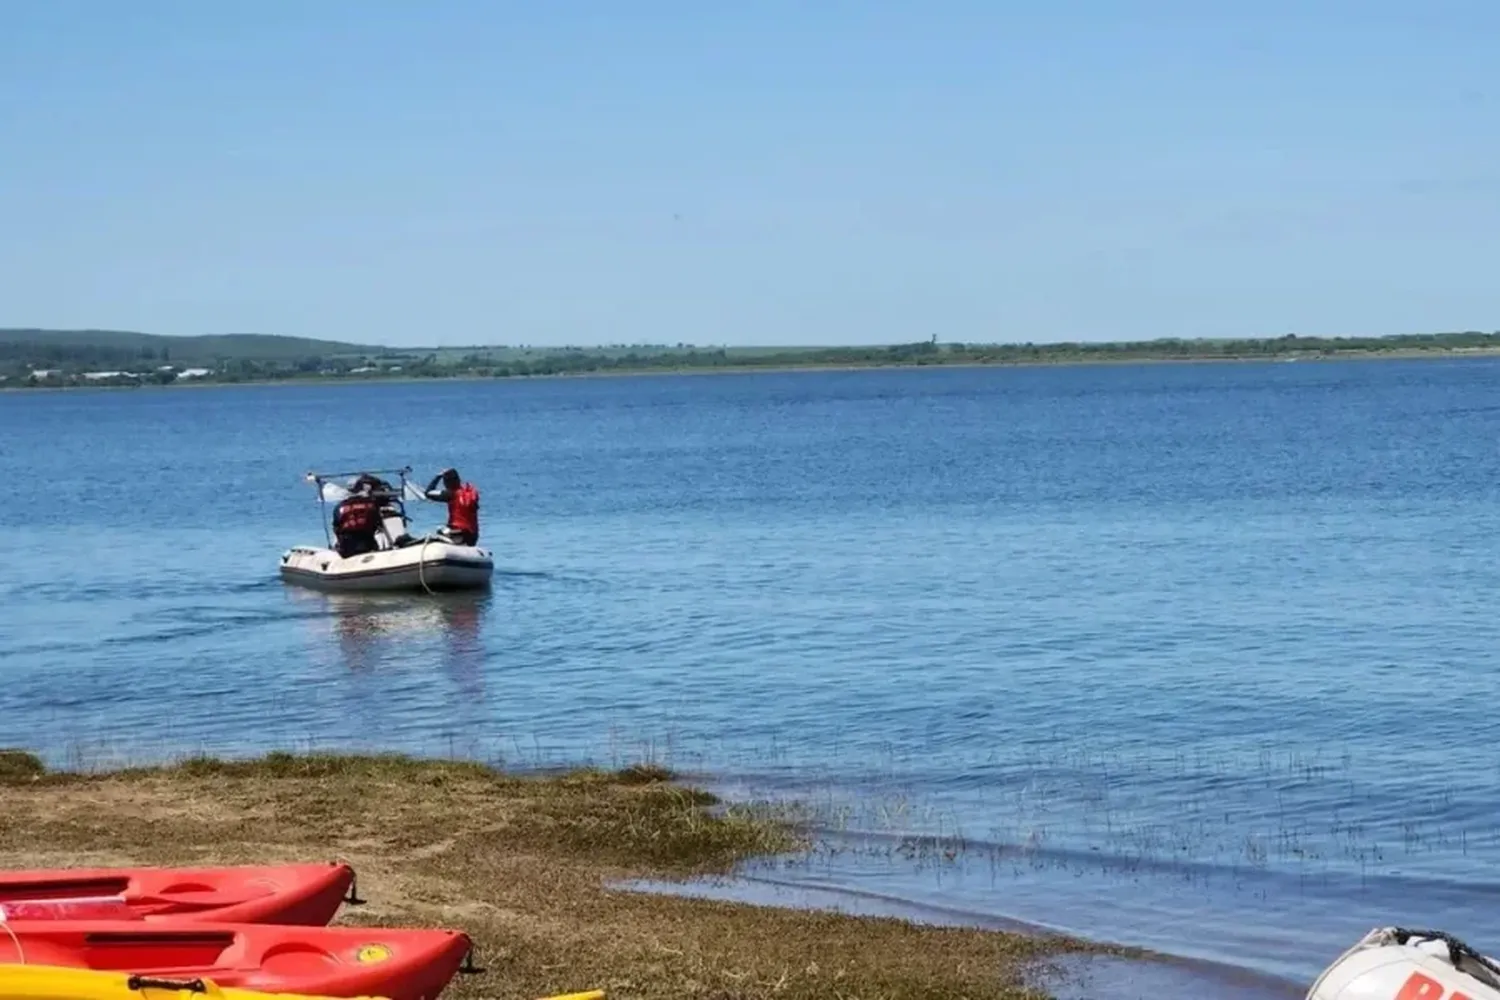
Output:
(122, 347)
(81, 350)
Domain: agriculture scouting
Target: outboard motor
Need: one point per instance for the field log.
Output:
(1392, 963)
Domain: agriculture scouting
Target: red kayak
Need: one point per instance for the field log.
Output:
(272, 894)
(313, 961)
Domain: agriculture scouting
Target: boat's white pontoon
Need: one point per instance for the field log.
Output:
(1392, 963)
(400, 561)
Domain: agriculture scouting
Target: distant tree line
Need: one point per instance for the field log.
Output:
(930, 352)
(20, 357)
(43, 354)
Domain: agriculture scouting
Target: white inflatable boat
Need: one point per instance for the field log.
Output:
(429, 563)
(1392, 963)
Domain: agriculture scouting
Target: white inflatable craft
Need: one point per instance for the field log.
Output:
(1393, 963)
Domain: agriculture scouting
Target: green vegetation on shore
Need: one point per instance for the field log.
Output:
(103, 357)
(521, 863)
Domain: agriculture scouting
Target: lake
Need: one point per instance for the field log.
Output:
(1183, 656)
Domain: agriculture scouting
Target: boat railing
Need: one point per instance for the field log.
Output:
(327, 477)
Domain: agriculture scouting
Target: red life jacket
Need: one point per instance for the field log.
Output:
(357, 515)
(463, 509)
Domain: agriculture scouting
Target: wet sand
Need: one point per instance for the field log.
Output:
(1136, 976)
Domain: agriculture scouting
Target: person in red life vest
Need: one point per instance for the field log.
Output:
(463, 506)
(356, 519)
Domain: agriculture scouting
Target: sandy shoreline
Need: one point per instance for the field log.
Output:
(524, 864)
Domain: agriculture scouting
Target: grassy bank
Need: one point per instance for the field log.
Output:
(520, 863)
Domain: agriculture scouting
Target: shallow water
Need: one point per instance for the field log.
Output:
(1182, 656)
(1066, 977)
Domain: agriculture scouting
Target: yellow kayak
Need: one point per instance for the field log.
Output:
(45, 982)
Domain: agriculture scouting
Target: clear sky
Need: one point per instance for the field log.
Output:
(768, 172)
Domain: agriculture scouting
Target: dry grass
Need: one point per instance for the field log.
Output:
(520, 864)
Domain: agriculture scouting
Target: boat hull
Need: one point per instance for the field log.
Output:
(420, 567)
(307, 894)
(317, 961)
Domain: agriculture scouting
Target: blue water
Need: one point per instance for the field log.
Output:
(1197, 657)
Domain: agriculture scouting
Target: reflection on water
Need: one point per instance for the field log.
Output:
(373, 631)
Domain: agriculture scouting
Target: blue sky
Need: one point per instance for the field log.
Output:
(755, 173)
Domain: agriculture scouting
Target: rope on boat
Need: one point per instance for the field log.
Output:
(422, 565)
(20, 952)
(1458, 952)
